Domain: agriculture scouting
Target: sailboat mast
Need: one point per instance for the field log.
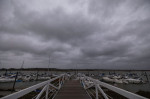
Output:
(13, 89)
(48, 64)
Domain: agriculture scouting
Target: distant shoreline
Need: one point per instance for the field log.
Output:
(56, 69)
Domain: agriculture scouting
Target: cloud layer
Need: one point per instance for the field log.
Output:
(100, 34)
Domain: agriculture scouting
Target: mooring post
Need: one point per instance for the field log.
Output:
(14, 82)
(37, 74)
(6, 72)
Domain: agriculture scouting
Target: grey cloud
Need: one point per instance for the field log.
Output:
(92, 34)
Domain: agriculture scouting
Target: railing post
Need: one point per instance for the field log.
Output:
(39, 95)
(63, 80)
(59, 83)
(96, 91)
(103, 93)
(47, 91)
(83, 83)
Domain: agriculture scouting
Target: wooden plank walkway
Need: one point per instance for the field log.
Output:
(72, 89)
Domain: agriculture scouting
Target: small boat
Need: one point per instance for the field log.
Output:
(107, 79)
(118, 81)
(29, 78)
(132, 80)
(44, 78)
(113, 80)
(6, 79)
(116, 77)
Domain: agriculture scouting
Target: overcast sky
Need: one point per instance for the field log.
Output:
(104, 34)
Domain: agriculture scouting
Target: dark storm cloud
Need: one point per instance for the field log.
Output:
(92, 34)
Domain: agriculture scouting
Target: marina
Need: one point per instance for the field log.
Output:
(112, 78)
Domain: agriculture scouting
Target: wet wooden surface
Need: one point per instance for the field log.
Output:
(72, 89)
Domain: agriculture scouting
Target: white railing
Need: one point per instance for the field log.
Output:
(98, 83)
(44, 84)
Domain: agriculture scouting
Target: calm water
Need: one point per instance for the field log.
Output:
(129, 87)
(18, 86)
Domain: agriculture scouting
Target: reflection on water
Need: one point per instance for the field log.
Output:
(135, 87)
(19, 85)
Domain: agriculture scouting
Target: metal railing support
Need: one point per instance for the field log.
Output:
(53, 86)
(39, 95)
(89, 86)
(103, 93)
(34, 87)
(96, 91)
(47, 91)
(83, 83)
(59, 83)
(63, 79)
(120, 91)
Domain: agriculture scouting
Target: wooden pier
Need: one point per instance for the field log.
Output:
(72, 89)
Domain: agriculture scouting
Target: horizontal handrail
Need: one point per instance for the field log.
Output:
(120, 91)
(29, 89)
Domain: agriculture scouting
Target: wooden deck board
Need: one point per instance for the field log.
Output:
(72, 89)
